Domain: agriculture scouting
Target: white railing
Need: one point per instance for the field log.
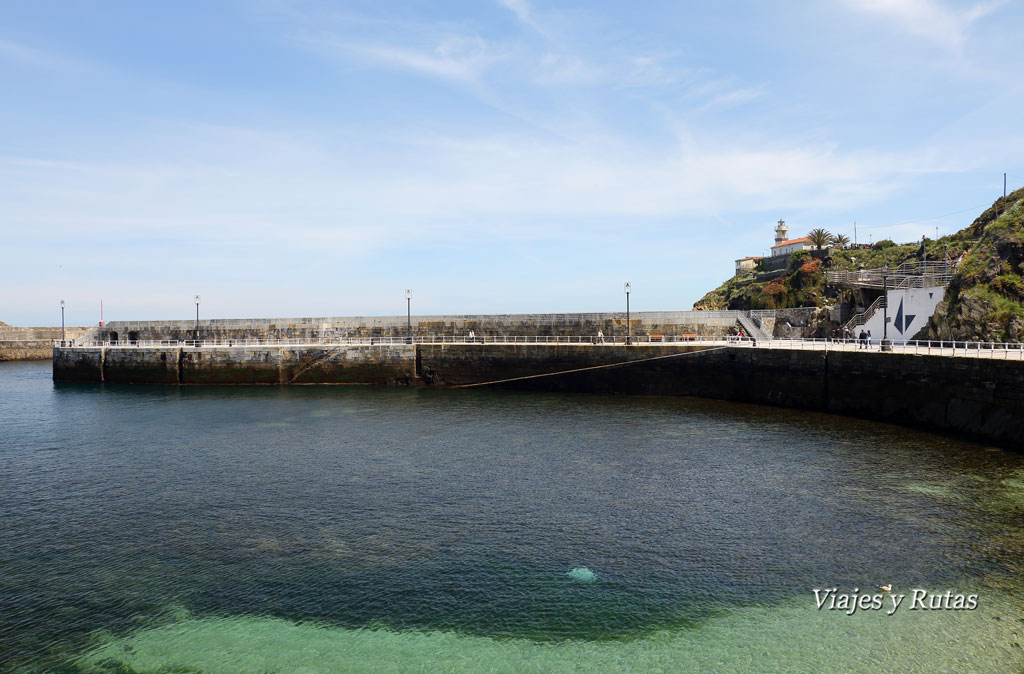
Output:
(958, 348)
(386, 341)
(907, 275)
(864, 316)
(999, 350)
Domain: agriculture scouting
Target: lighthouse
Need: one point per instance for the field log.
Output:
(781, 232)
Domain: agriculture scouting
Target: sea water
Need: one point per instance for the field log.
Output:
(349, 529)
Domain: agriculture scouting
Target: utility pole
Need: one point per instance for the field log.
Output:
(408, 316)
(629, 335)
(885, 344)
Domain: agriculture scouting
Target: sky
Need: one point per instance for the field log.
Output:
(306, 158)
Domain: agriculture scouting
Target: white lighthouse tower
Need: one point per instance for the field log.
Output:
(781, 232)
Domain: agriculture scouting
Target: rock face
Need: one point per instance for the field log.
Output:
(985, 301)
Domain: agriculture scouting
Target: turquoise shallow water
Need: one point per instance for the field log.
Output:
(313, 529)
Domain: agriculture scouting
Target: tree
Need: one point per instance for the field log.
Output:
(840, 240)
(820, 238)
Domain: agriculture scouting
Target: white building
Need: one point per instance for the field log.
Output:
(792, 246)
(908, 311)
(745, 264)
(784, 245)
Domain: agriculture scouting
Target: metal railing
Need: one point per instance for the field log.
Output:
(761, 314)
(864, 316)
(392, 340)
(999, 350)
(958, 348)
(907, 275)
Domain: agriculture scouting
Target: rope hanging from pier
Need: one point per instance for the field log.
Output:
(592, 367)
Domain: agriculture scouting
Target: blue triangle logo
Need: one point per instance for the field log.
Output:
(903, 322)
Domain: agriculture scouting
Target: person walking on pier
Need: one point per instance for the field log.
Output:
(862, 340)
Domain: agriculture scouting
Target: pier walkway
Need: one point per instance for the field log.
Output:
(958, 349)
(907, 275)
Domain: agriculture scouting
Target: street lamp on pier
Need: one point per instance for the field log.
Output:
(197, 318)
(62, 321)
(408, 316)
(629, 335)
(886, 345)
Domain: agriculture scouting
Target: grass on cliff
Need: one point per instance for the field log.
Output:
(804, 286)
(986, 297)
(803, 282)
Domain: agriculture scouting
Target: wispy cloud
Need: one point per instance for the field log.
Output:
(929, 18)
(236, 177)
(520, 8)
(39, 58)
(525, 14)
(451, 57)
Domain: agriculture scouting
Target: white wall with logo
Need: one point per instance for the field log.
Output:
(909, 311)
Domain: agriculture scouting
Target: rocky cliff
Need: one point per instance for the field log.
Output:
(985, 301)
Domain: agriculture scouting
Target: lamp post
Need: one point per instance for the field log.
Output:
(197, 318)
(408, 316)
(62, 321)
(629, 335)
(885, 344)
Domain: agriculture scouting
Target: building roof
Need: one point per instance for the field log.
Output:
(750, 257)
(802, 239)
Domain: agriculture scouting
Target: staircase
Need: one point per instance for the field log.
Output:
(865, 316)
(750, 328)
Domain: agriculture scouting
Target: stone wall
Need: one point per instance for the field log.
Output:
(982, 397)
(979, 397)
(794, 323)
(704, 323)
(384, 365)
(34, 343)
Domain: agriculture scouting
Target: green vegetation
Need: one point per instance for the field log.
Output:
(985, 301)
(820, 238)
(986, 298)
(802, 283)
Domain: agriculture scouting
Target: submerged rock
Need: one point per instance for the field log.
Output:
(582, 574)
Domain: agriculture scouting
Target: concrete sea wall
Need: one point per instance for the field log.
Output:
(34, 343)
(383, 365)
(669, 323)
(979, 397)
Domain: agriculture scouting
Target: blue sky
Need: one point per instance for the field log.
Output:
(306, 158)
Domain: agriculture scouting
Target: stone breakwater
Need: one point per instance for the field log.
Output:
(33, 343)
(612, 324)
(980, 398)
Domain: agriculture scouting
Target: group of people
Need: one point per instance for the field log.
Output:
(863, 338)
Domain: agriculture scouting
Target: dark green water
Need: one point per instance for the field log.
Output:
(308, 529)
